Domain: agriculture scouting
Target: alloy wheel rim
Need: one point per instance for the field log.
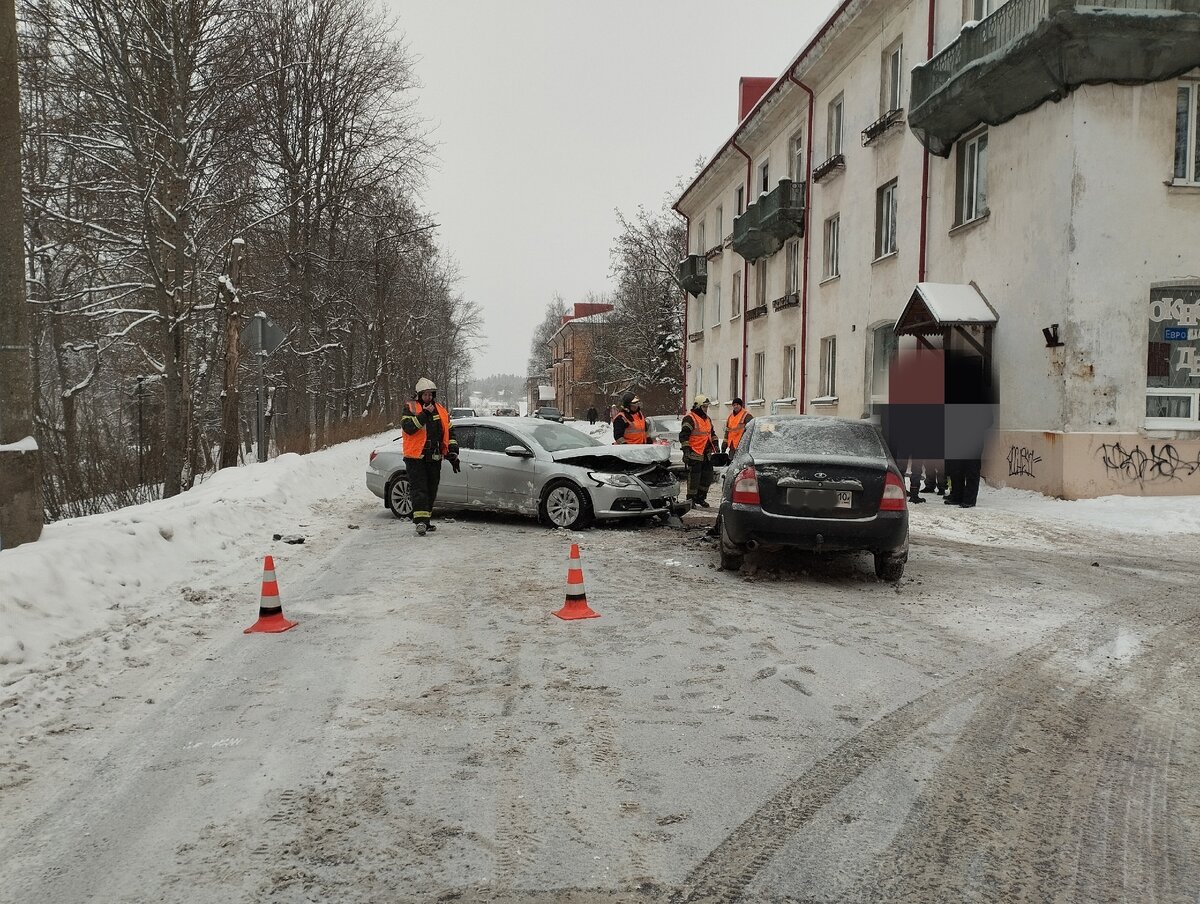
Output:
(401, 498)
(563, 506)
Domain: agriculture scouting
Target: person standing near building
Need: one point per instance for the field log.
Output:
(699, 443)
(427, 440)
(629, 425)
(592, 415)
(735, 426)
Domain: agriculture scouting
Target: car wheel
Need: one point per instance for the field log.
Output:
(398, 496)
(888, 567)
(731, 554)
(566, 505)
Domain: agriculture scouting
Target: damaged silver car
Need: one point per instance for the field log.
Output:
(536, 467)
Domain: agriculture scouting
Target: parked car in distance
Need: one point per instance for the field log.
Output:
(548, 413)
(663, 430)
(462, 412)
(506, 412)
(822, 484)
(530, 466)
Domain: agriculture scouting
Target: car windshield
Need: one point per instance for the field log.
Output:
(558, 438)
(815, 436)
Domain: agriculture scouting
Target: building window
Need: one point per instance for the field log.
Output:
(720, 223)
(760, 375)
(716, 305)
(735, 390)
(760, 284)
(1187, 133)
(975, 10)
(699, 379)
(716, 381)
(735, 299)
(793, 267)
(835, 125)
(828, 382)
(891, 87)
(796, 160)
(789, 372)
(739, 200)
(883, 348)
(832, 231)
(885, 220)
(972, 178)
(1173, 357)
(699, 312)
(700, 239)
(764, 176)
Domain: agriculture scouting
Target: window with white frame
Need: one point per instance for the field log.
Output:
(1187, 133)
(1173, 357)
(828, 381)
(700, 239)
(793, 266)
(975, 10)
(971, 190)
(764, 176)
(716, 305)
(739, 200)
(832, 237)
(789, 372)
(834, 144)
(885, 220)
(735, 389)
(735, 297)
(883, 347)
(699, 312)
(891, 86)
(760, 374)
(720, 224)
(716, 380)
(796, 159)
(760, 284)
(699, 379)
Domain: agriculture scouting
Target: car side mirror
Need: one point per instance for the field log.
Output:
(518, 452)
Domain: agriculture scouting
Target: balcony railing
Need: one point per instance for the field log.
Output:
(834, 163)
(770, 221)
(755, 313)
(693, 274)
(697, 336)
(1031, 51)
(881, 125)
(791, 300)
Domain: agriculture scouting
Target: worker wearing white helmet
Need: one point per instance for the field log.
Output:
(699, 441)
(427, 442)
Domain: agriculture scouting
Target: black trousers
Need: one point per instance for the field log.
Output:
(964, 479)
(699, 478)
(423, 479)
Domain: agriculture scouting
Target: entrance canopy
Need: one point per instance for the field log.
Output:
(935, 307)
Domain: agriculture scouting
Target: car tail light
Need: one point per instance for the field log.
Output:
(745, 487)
(894, 497)
(374, 452)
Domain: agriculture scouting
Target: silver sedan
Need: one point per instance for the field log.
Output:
(536, 467)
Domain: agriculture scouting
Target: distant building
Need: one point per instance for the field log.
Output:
(576, 388)
(1016, 180)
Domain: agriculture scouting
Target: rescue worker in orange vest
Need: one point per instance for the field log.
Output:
(735, 426)
(629, 426)
(699, 442)
(427, 440)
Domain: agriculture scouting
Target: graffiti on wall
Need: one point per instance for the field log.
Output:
(1021, 461)
(1160, 463)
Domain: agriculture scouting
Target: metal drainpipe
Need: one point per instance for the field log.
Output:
(803, 400)
(745, 279)
(921, 257)
(687, 238)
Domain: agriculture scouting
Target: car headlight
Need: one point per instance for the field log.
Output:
(612, 480)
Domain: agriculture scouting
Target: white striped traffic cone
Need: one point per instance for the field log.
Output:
(270, 610)
(576, 605)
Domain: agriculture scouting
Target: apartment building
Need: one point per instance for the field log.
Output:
(572, 370)
(1019, 180)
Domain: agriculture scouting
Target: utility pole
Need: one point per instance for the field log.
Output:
(21, 513)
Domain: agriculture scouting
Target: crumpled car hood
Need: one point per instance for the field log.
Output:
(615, 459)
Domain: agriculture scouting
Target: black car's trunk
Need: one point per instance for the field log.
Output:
(841, 489)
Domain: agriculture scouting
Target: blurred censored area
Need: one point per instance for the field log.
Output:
(941, 405)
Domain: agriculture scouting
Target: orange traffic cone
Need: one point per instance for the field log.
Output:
(270, 610)
(576, 605)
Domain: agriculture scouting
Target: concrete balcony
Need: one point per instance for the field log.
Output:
(693, 274)
(1031, 51)
(770, 221)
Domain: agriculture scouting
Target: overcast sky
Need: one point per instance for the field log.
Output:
(551, 114)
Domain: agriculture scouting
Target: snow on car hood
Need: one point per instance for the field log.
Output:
(615, 459)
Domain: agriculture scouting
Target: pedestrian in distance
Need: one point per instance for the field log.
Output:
(592, 415)
(629, 425)
(699, 442)
(735, 426)
(427, 442)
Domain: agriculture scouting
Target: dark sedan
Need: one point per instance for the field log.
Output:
(822, 484)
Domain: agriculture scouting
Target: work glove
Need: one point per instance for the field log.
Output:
(454, 464)
(424, 415)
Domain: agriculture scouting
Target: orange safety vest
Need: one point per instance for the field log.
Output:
(734, 428)
(702, 432)
(635, 428)
(414, 443)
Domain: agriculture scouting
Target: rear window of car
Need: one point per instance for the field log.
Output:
(551, 411)
(824, 436)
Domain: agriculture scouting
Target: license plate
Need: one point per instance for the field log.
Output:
(820, 499)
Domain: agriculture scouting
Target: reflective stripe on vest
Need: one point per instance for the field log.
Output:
(414, 443)
(701, 434)
(734, 428)
(635, 430)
